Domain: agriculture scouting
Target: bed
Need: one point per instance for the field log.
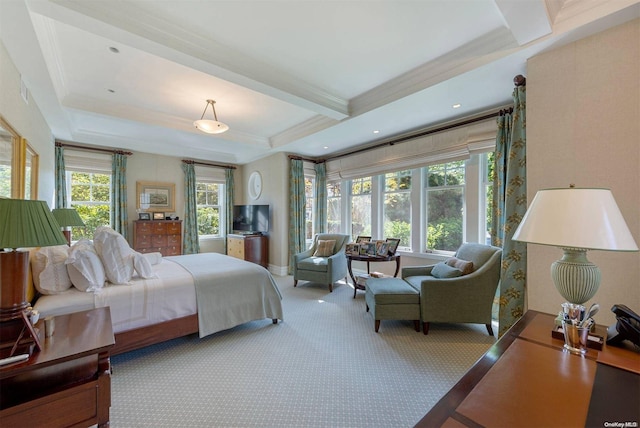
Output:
(200, 293)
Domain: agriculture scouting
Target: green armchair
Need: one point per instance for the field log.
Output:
(463, 299)
(325, 269)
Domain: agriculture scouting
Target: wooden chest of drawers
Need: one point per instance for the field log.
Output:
(164, 236)
(252, 248)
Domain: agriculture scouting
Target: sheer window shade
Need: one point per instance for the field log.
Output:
(447, 146)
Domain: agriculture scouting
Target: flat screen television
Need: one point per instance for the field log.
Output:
(251, 218)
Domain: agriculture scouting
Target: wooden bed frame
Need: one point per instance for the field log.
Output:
(150, 335)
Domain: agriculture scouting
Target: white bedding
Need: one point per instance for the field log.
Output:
(225, 292)
(141, 303)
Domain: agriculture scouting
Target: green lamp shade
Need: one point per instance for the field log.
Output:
(27, 224)
(67, 217)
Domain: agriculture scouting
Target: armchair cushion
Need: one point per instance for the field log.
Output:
(325, 248)
(464, 266)
(443, 270)
(316, 264)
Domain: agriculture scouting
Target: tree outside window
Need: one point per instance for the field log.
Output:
(91, 198)
(334, 207)
(361, 207)
(309, 185)
(445, 205)
(209, 197)
(397, 206)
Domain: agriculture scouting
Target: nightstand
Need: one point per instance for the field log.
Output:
(68, 383)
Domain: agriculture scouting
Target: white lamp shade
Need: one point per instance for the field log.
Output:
(211, 126)
(576, 218)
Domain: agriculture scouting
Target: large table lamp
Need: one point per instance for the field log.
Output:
(23, 224)
(576, 220)
(67, 218)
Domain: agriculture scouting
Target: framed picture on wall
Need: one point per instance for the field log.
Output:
(152, 196)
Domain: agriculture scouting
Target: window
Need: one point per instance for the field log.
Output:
(397, 207)
(209, 202)
(444, 184)
(334, 207)
(91, 197)
(361, 207)
(309, 185)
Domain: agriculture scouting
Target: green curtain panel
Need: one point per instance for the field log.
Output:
(119, 193)
(61, 182)
(509, 206)
(297, 202)
(229, 185)
(320, 214)
(190, 242)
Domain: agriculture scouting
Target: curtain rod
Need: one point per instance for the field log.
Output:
(519, 80)
(296, 157)
(95, 149)
(217, 165)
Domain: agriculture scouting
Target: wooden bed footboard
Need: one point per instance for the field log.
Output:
(144, 336)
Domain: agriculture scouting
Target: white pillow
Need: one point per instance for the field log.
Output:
(84, 267)
(49, 271)
(154, 258)
(142, 266)
(115, 253)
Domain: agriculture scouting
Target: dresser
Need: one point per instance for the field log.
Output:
(164, 236)
(252, 248)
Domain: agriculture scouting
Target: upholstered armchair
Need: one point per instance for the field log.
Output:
(325, 262)
(453, 295)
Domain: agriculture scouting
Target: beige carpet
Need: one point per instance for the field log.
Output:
(324, 366)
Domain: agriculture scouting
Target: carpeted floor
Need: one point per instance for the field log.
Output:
(324, 366)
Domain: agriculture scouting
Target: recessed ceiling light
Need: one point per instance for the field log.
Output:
(456, 105)
(114, 49)
(326, 147)
(376, 132)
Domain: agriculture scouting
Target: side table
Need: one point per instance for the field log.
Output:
(67, 383)
(369, 259)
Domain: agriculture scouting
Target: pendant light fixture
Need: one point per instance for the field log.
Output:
(210, 126)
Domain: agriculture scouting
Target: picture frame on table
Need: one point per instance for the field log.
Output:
(362, 239)
(144, 216)
(393, 245)
(382, 249)
(352, 249)
(158, 215)
(153, 196)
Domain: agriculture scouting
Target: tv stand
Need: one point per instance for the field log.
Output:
(250, 247)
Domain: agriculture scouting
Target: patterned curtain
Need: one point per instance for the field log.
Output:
(119, 193)
(509, 206)
(297, 201)
(320, 214)
(190, 242)
(228, 183)
(61, 181)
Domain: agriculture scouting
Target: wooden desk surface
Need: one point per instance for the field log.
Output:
(527, 380)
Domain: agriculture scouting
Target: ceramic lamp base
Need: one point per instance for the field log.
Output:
(575, 277)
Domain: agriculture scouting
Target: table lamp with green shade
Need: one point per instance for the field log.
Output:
(67, 218)
(576, 220)
(24, 224)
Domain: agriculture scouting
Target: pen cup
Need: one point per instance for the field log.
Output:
(575, 338)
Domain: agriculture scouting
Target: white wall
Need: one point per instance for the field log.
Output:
(583, 127)
(25, 118)
(275, 192)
